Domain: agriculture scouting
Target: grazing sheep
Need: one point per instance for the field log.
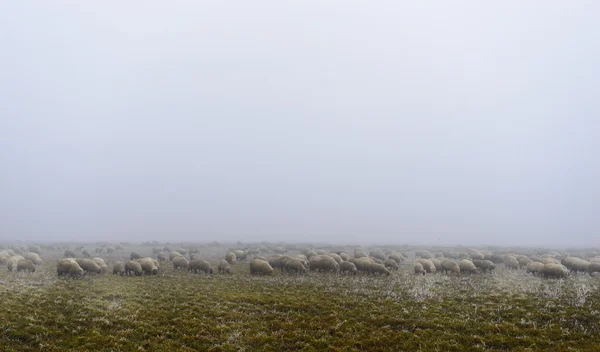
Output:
(174, 254)
(424, 255)
(324, 263)
(549, 260)
(199, 265)
(11, 252)
(523, 261)
(310, 254)
(378, 255)
(86, 254)
(231, 258)
(4, 257)
(345, 256)
(438, 255)
(35, 249)
(260, 267)
(101, 264)
(359, 254)
(109, 250)
(180, 262)
(391, 264)
(397, 257)
(88, 265)
(161, 257)
(25, 265)
(450, 266)
(475, 254)
(450, 254)
(379, 269)
(320, 252)
(99, 250)
(427, 265)
(294, 265)
(437, 263)
(495, 258)
(118, 268)
(593, 267)
(135, 256)
(240, 255)
(13, 261)
(69, 254)
(33, 257)
(181, 251)
(336, 257)
(156, 250)
(148, 266)
(223, 267)
(575, 264)
(553, 270)
(133, 268)
(536, 268)
(419, 269)
(68, 267)
(348, 267)
(279, 250)
(485, 265)
(278, 261)
(360, 263)
(511, 262)
(467, 266)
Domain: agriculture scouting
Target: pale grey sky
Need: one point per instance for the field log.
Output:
(372, 121)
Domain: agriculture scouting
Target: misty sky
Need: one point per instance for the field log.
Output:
(352, 121)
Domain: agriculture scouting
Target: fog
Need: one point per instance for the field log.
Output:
(338, 121)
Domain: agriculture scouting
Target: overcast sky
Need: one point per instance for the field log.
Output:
(352, 121)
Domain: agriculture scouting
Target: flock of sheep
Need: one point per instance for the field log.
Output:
(376, 262)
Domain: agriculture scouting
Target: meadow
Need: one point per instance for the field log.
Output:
(508, 310)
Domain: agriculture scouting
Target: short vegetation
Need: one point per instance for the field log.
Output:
(179, 310)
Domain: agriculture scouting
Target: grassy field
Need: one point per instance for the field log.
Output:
(177, 311)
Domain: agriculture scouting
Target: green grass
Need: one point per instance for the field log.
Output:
(177, 311)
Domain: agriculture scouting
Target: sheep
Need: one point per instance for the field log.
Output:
(348, 267)
(397, 257)
(199, 265)
(424, 254)
(419, 269)
(360, 263)
(475, 254)
(439, 255)
(535, 268)
(13, 261)
(279, 250)
(467, 266)
(593, 267)
(86, 254)
(320, 252)
(310, 254)
(450, 266)
(180, 262)
(391, 264)
(437, 263)
(294, 265)
(511, 262)
(378, 255)
(260, 267)
(495, 258)
(231, 258)
(25, 265)
(345, 256)
(359, 254)
(336, 257)
(118, 268)
(379, 269)
(523, 261)
(223, 267)
(553, 270)
(450, 254)
(484, 265)
(575, 264)
(88, 265)
(156, 250)
(427, 265)
(4, 257)
(174, 254)
(68, 267)
(324, 263)
(69, 254)
(133, 268)
(240, 255)
(278, 261)
(148, 266)
(101, 264)
(33, 257)
(109, 250)
(549, 260)
(161, 257)
(134, 256)
(35, 249)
